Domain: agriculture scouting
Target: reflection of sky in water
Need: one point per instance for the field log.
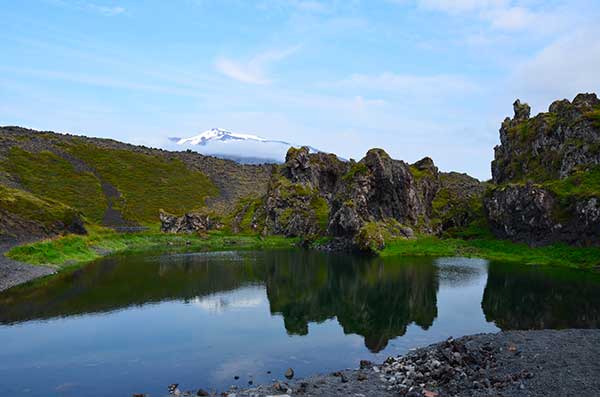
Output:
(205, 340)
(243, 298)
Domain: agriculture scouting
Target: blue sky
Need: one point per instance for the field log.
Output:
(415, 77)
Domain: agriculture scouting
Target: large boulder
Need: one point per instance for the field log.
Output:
(378, 188)
(298, 196)
(192, 222)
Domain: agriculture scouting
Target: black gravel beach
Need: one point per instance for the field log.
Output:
(14, 273)
(510, 364)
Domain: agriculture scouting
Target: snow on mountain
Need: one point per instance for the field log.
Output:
(244, 148)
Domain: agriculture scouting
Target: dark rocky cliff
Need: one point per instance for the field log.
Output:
(359, 204)
(547, 175)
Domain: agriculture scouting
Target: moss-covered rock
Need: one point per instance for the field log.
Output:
(550, 145)
(547, 175)
(372, 236)
(457, 204)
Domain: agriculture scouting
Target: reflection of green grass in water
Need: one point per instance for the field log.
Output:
(502, 250)
(76, 250)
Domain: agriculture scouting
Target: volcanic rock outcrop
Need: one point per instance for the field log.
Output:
(192, 222)
(357, 204)
(547, 172)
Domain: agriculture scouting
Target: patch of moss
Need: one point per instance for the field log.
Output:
(244, 214)
(286, 216)
(419, 174)
(581, 184)
(28, 207)
(320, 208)
(355, 169)
(594, 117)
(372, 236)
(49, 176)
(147, 182)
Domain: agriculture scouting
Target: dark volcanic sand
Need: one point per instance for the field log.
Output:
(513, 363)
(14, 273)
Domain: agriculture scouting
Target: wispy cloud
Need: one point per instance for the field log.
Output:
(563, 68)
(504, 15)
(455, 6)
(255, 70)
(102, 9)
(106, 10)
(410, 84)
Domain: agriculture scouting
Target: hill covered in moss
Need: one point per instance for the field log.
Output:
(107, 182)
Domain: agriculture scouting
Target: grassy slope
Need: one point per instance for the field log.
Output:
(26, 207)
(146, 182)
(77, 250)
(555, 255)
(49, 176)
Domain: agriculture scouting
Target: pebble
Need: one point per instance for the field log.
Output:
(289, 373)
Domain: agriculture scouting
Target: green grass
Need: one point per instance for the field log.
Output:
(27, 207)
(594, 117)
(580, 184)
(49, 176)
(77, 250)
(502, 250)
(148, 183)
(321, 210)
(355, 169)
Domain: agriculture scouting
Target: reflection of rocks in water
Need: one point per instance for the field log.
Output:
(369, 297)
(122, 281)
(520, 297)
(458, 272)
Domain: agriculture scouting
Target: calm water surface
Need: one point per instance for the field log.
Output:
(132, 324)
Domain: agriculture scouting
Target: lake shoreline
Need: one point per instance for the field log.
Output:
(510, 364)
(13, 273)
(24, 261)
(28, 260)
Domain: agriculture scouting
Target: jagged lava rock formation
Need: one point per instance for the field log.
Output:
(188, 223)
(547, 172)
(358, 204)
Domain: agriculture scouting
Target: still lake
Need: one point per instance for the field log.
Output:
(137, 323)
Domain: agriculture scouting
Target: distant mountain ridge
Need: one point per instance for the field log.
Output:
(240, 147)
(219, 134)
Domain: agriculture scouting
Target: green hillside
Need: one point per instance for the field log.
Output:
(95, 178)
(22, 212)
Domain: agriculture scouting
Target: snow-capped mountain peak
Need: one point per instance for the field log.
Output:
(244, 148)
(218, 134)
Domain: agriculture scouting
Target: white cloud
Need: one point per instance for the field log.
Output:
(506, 15)
(562, 69)
(106, 10)
(513, 18)
(410, 83)
(255, 70)
(457, 6)
(83, 5)
(309, 5)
